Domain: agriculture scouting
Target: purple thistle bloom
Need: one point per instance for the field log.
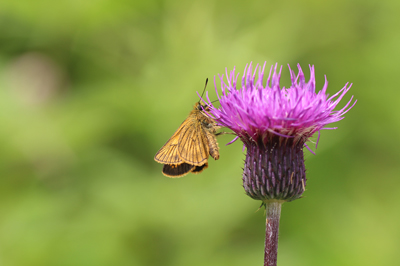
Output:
(274, 124)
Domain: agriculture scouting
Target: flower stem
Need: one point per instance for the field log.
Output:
(273, 210)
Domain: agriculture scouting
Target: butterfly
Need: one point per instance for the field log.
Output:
(188, 149)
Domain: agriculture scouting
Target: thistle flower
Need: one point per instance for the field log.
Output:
(274, 125)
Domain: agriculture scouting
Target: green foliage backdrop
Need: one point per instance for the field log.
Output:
(90, 90)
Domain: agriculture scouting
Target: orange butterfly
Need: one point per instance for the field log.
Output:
(188, 149)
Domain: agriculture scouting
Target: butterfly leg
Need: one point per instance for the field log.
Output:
(223, 133)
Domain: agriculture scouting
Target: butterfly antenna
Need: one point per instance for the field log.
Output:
(214, 101)
(205, 86)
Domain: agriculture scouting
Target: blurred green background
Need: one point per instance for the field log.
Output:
(90, 90)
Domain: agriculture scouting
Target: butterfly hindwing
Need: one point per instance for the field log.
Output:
(179, 170)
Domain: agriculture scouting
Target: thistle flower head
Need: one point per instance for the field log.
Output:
(274, 124)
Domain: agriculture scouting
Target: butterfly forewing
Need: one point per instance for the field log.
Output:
(168, 154)
(193, 143)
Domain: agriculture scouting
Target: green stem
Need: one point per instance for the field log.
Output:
(273, 210)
